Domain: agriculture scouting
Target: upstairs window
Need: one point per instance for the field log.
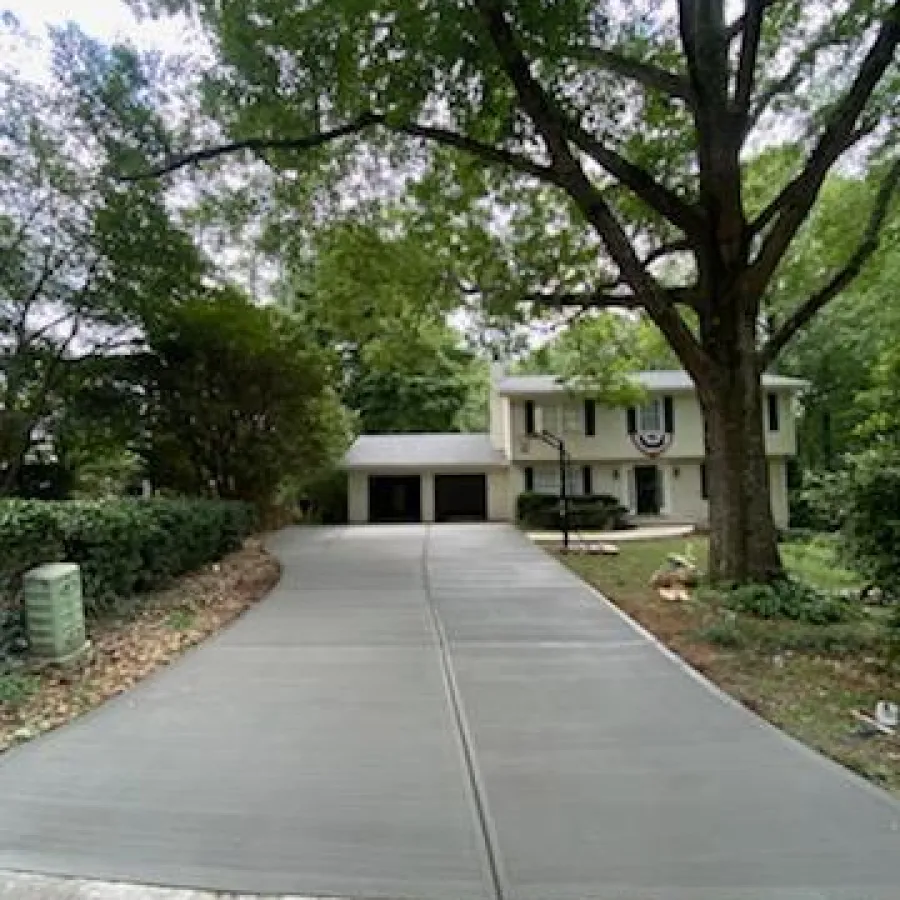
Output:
(772, 403)
(650, 416)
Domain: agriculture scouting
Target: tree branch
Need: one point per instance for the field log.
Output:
(555, 129)
(752, 32)
(765, 218)
(667, 203)
(585, 300)
(306, 142)
(640, 182)
(486, 152)
(558, 129)
(793, 204)
(787, 81)
(646, 74)
(603, 298)
(867, 245)
(664, 250)
(736, 28)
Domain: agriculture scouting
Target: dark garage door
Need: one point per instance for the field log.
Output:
(460, 498)
(395, 498)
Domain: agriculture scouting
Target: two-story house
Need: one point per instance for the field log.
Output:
(651, 456)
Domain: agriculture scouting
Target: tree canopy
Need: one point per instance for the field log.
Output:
(382, 302)
(568, 156)
(85, 260)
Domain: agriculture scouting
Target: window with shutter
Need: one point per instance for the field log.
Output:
(529, 417)
(587, 479)
(774, 423)
(650, 416)
(529, 478)
(546, 480)
(575, 481)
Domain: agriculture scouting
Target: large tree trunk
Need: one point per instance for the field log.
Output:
(743, 539)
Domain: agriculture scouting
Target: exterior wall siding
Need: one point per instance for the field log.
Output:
(612, 441)
(357, 497)
(500, 499)
(687, 493)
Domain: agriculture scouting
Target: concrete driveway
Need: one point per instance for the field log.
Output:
(441, 713)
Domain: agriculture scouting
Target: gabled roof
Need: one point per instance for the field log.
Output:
(423, 451)
(655, 380)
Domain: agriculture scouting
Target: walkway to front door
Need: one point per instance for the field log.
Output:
(441, 713)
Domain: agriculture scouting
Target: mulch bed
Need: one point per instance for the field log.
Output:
(155, 630)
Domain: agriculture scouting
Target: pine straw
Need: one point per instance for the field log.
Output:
(155, 630)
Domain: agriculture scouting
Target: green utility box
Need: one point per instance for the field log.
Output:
(55, 612)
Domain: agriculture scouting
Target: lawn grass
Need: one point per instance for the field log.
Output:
(806, 679)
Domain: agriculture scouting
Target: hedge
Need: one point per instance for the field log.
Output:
(123, 546)
(588, 511)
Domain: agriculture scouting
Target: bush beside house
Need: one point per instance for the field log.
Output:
(591, 511)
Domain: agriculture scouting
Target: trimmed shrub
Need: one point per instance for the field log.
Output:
(592, 511)
(123, 546)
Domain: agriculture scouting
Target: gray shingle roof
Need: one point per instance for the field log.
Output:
(422, 451)
(657, 380)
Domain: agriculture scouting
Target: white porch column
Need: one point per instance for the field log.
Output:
(665, 482)
(626, 474)
(427, 488)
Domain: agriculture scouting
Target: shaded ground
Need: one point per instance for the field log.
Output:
(807, 679)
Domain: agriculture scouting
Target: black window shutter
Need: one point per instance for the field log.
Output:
(632, 420)
(529, 478)
(590, 417)
(669, 415)
(704, 489)
(529, 417)
(773, 412)
(587, 480)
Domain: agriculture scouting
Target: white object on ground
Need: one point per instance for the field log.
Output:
(887, 714)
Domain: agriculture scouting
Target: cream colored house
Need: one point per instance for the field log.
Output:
(649, 457)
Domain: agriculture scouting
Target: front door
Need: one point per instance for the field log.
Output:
(646, 490)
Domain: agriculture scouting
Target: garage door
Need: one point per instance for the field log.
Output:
(395, 498)
(460, 498)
